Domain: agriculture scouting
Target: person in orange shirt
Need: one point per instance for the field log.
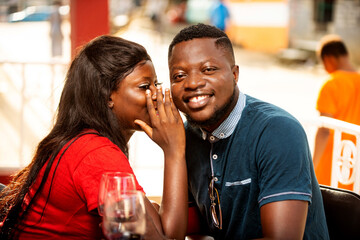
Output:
(338, 98)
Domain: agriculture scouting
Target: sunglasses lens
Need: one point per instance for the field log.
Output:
(214, 216)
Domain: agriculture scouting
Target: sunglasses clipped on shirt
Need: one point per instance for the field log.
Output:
(215, 207)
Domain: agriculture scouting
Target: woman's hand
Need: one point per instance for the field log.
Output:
(167, 128)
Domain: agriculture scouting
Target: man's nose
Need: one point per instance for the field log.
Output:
(194, 81)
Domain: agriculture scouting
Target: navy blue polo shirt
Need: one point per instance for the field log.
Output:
(260, 158)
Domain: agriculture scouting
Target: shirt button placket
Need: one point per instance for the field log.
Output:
(214, 159)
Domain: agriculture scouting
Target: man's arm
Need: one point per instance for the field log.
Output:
(284, 219)
(283, 154)
(321, 140)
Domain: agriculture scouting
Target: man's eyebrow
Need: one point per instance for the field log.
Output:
(176, 68)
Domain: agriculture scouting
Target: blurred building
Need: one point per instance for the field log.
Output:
(273, 25)
(311, 19)
(259, 25)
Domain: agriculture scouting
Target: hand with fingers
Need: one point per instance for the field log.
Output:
(167, 129)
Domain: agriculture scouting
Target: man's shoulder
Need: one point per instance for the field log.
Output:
(339, 76)
(256, 103)
(340, 79)
(263, 111)
(259, 116)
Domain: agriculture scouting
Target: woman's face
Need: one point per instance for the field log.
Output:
(129, 99)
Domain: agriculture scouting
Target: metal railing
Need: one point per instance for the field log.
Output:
(20, 77)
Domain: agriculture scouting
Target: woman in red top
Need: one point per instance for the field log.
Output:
(111, 91)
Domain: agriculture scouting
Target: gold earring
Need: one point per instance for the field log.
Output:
(111, 104)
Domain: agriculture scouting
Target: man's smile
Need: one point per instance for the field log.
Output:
(198, 101)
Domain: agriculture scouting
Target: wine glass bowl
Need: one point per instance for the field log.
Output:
(124, 215)
(114, 181)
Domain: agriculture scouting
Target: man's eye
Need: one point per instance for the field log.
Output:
(178, 77)
(209, 69)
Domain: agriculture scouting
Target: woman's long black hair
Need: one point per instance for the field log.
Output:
(93, 75)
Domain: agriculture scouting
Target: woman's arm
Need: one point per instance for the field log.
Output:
(168, 132)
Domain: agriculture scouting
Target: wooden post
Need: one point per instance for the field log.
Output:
(89, 19)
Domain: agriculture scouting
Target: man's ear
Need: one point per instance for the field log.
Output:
(235, 72)
(330, 63)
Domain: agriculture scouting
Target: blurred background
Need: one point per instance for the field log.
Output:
(275, 45)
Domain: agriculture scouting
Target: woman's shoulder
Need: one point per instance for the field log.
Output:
(94, 150)
(91, 139)
(90, 142)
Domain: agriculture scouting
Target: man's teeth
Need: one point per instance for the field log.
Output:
(197, 99)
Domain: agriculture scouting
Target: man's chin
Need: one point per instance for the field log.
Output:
(207, 123)
(216, 117)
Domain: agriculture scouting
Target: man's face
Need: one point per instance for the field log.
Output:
(203, 81)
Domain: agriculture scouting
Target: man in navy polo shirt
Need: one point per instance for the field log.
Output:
(249, 166)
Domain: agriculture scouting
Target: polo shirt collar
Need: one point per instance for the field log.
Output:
(228, 126)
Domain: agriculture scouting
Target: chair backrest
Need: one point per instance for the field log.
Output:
(342, 210)
(346, 154)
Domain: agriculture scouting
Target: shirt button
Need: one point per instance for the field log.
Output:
(222, 135)
(216, 179)
(215, 156)
(212, 138)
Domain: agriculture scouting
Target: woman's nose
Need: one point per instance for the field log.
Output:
(153, 92)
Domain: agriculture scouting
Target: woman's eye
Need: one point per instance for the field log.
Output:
(145, 86)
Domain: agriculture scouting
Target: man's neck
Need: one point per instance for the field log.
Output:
(233, 104)
(345, 65)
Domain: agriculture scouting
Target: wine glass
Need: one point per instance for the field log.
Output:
(124, 215)
(114, 181)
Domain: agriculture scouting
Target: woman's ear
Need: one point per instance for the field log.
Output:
(110, 104)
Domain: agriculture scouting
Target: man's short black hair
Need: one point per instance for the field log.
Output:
(332, 45)
(201, 30)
